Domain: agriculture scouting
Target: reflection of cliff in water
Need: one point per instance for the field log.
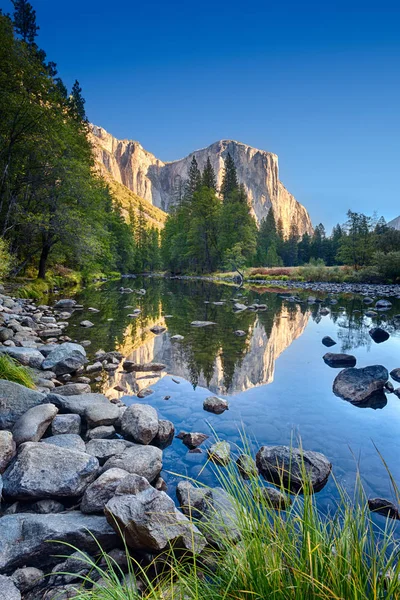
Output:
(229, 366)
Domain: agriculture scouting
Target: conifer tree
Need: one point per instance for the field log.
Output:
(194, 181)
(230, 181)
(77, 102)
(209, 179)
(24, 19)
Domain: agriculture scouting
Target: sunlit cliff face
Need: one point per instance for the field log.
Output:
(147, 176)
(255, 367)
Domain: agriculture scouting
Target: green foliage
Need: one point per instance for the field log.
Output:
(5, 259)
(357, 246)
(77, 102)
(24, 19)
(388, 265)
(13, 371)
(230, 181)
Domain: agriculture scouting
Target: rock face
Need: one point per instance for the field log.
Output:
(358, 385)
(395, 223)
(283, 465)
(140, 171)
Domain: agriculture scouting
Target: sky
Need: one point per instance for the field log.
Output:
(317, 83)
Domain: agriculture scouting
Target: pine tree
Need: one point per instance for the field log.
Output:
(77, 102)
(194, 181)
(25, 20)
(209, 179)
(230, 181)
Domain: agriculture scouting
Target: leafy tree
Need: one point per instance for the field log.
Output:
(24, 19)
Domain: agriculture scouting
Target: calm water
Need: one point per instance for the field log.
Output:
(274, 377)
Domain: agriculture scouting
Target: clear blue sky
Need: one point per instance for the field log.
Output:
(318, 83)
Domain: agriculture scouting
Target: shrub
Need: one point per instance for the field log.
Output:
(5, 259)
(12, 371)
(388, 265)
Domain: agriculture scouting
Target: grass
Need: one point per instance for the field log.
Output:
(297, 554)
(12, 371)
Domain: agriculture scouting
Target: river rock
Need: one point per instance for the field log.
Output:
(8, 589)
(193, 500)
(379, 335)
(86, 323)
(98, 493)
(145, 461)
(247, 466)
(275, 499)
(384, 507)
(27, 578)
(129, 366)
(6, 334)
(238, 307)
(358, 385)
(215, 405)
(395, 375)
(157, 329)
(45, 471)
(324, 311)
(72, 441)
(74, 389)
(194, 439)
(165, 434)
(328, 341)
(132, 484)
(383, 304)
(104, 449)
(29, 357)
(65, 358)
(101, 414)
(65, 303)
(283, 465)
(339, 361)
(220, 453)
(77, 404)
(371, 313)
(104, 432)
(15, 400)
(177, 338)
(32, 425)
(8, 449)
(140, 423)
(94, 367)
(35, 540)
(149, 520)
(239, 332)
(202, 323)
(66, 424)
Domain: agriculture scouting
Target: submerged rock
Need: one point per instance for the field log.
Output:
(328, 341)
(275, 499)
(358, 385)
(193, 440)
(395, 375)
(220, 453)
(339, 361)
(379, 335)
(284, 466)
(384, 507)
(215, 405)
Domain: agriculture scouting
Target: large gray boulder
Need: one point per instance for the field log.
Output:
(71, 441)
(98, 493)
(15, 400)
(215, 405)
(358, 385)
(32, 425)
(29, 357)
(285, 466)
(140, 423)
(74, 389)
(165, 434)
(8, 589)
(104, 449)
(150, 521)
(101, 414)
(36, 540)
(214, 510)
(8, 449)
(66, 424)
(65, 358)
(339, 361)
(27, 578)
(45, 471)
(77, 404)
(142, 460)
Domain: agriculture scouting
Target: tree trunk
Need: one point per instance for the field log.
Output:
(43, 262)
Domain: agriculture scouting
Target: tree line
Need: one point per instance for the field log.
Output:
(54, 207)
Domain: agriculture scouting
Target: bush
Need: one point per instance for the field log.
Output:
(388, 265)
(5, 259)
(12, 371)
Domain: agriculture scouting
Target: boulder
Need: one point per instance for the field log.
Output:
(104, 432)
(140, 423)
(6, 334)
(45, 471)
(247, 466)
(339, 361)
(65, 303)
(72, 441)
(395, 375)
(29, 357)
(86, 323)
(104, 449)
(94, 367)
(15, 400)
(66, 424)
(371, 313)
(384, 507)
(238, 307)
(8, 589)
(32, 425)
(65, 358)
(150, 521)
(77, 404)
(202, 323)
(165, 434)
(284, 466)
(194, 439)
(239, 332)
(215, 405)
(27, 578)
(145, 461)
(129, 366)
(36, 540)
(379, 335)
(157, 329)
(101, 414)
(275, 499)
(177, 338)
(98, 493)
(46, 506)
(358, 385)
(8, 449)
(383, 304)
(132, 484)
(220, 453)
(76, 566)
(74, 389)
(193, 500)
(328, 341)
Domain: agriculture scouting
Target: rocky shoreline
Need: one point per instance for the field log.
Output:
(74, 462)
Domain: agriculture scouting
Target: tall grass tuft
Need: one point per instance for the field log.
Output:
(12, 371)
(293, 554)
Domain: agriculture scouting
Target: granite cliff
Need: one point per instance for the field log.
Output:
(157, 181)
(395, 223)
